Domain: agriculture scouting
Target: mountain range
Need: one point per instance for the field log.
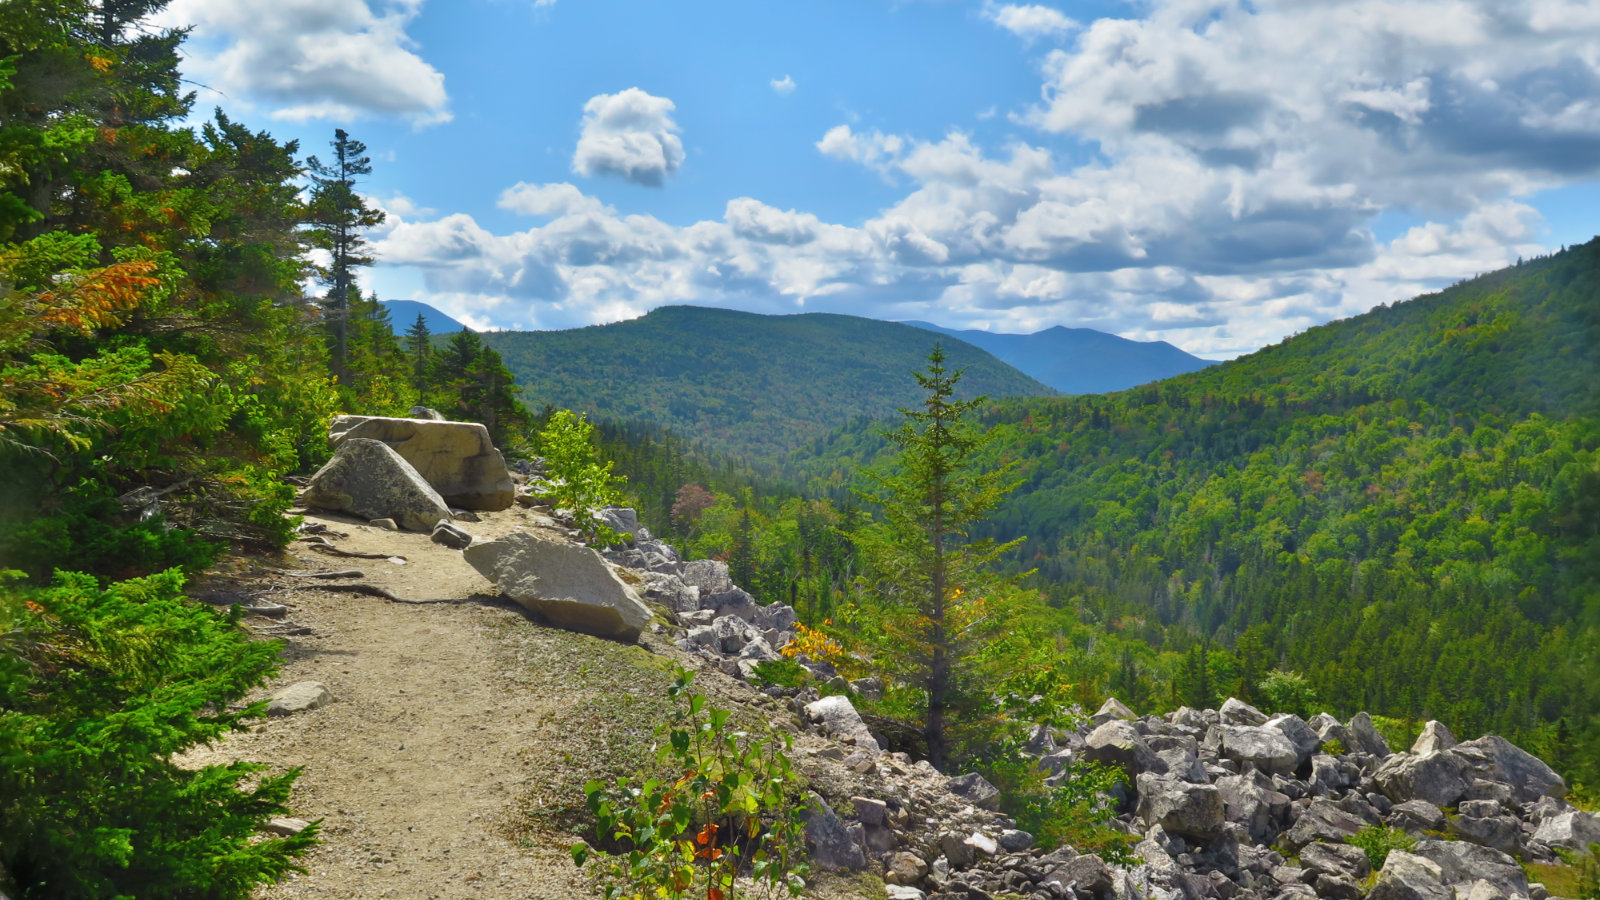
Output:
(1080, 360)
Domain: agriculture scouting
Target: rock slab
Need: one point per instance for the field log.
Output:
(457, 458)
(568, 584)
(368, 479)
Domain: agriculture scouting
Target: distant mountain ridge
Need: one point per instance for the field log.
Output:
(403, 313)
(1080, 360)
(734, 382)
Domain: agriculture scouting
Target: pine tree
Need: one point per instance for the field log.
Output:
(338, 216)
(928, 567)
(418, 349)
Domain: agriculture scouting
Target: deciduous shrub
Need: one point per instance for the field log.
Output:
(579, 481)
(728, 806)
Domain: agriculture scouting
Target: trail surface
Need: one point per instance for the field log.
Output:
(451, 761)
(419, 766)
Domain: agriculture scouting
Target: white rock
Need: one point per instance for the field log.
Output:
(298, 697)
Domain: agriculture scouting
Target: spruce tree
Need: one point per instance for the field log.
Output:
(929, 567)
(418, 349)
(338, 217)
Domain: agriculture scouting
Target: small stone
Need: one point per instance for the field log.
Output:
(299, 697)
(905, 868)
(386, 524)
(285, 826)
(1013, 840)
(870, 811)
(451, 536)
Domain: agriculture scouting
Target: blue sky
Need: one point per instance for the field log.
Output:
(1215, 174)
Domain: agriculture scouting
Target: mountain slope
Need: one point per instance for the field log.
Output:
(402, 313)
(1081, 360)
(758, 386)
(1403, 506)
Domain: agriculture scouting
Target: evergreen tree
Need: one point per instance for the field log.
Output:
(929, 568)
(419, 351)
(338, 217)
(742, 559)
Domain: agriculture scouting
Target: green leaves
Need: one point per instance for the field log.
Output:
(579, 482)
(104, 687)
(728, 806)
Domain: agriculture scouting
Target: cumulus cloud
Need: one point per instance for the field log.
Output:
(784, 85)
(1440, 104)
(629, 135)
(1239, 156)
(313, 59)
(1029, 20)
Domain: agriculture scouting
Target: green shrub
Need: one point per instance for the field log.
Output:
(729, 806)
(782, 672)
(87, 531)
(1377, 841)
(579, 481)
(99, 688)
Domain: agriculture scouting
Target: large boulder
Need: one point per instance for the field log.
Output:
(975, 789)
(709, 575)
(1323, 820)
(1439, 778)
(568, 584)
(1463, 863)
(828, 839)
(1117, 743)
(368, 479)
(1573, 830)
(1366, 737)
(838, 717)
(1261, 746)
(1435, 737)
(1493, 758)
(1406, 876)
(1306, 742)
(1237, 712)
(457, 458)
(1251, 802)
(1179, 807)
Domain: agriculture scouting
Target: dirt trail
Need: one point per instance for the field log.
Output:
(419, 765)
(451, 762)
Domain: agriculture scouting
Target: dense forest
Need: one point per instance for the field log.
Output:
(1403, 508)
(739, 383)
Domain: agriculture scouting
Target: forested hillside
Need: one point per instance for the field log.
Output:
(1403, 508)
(733, 382)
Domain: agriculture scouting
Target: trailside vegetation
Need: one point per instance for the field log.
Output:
(935, 597)
(99, 689)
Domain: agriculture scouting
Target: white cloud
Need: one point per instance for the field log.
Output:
(558, 199)
(874, 149)
(1029, 20)
(1238, 155)
(313, 59)
(631, 135)
(784, 85)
